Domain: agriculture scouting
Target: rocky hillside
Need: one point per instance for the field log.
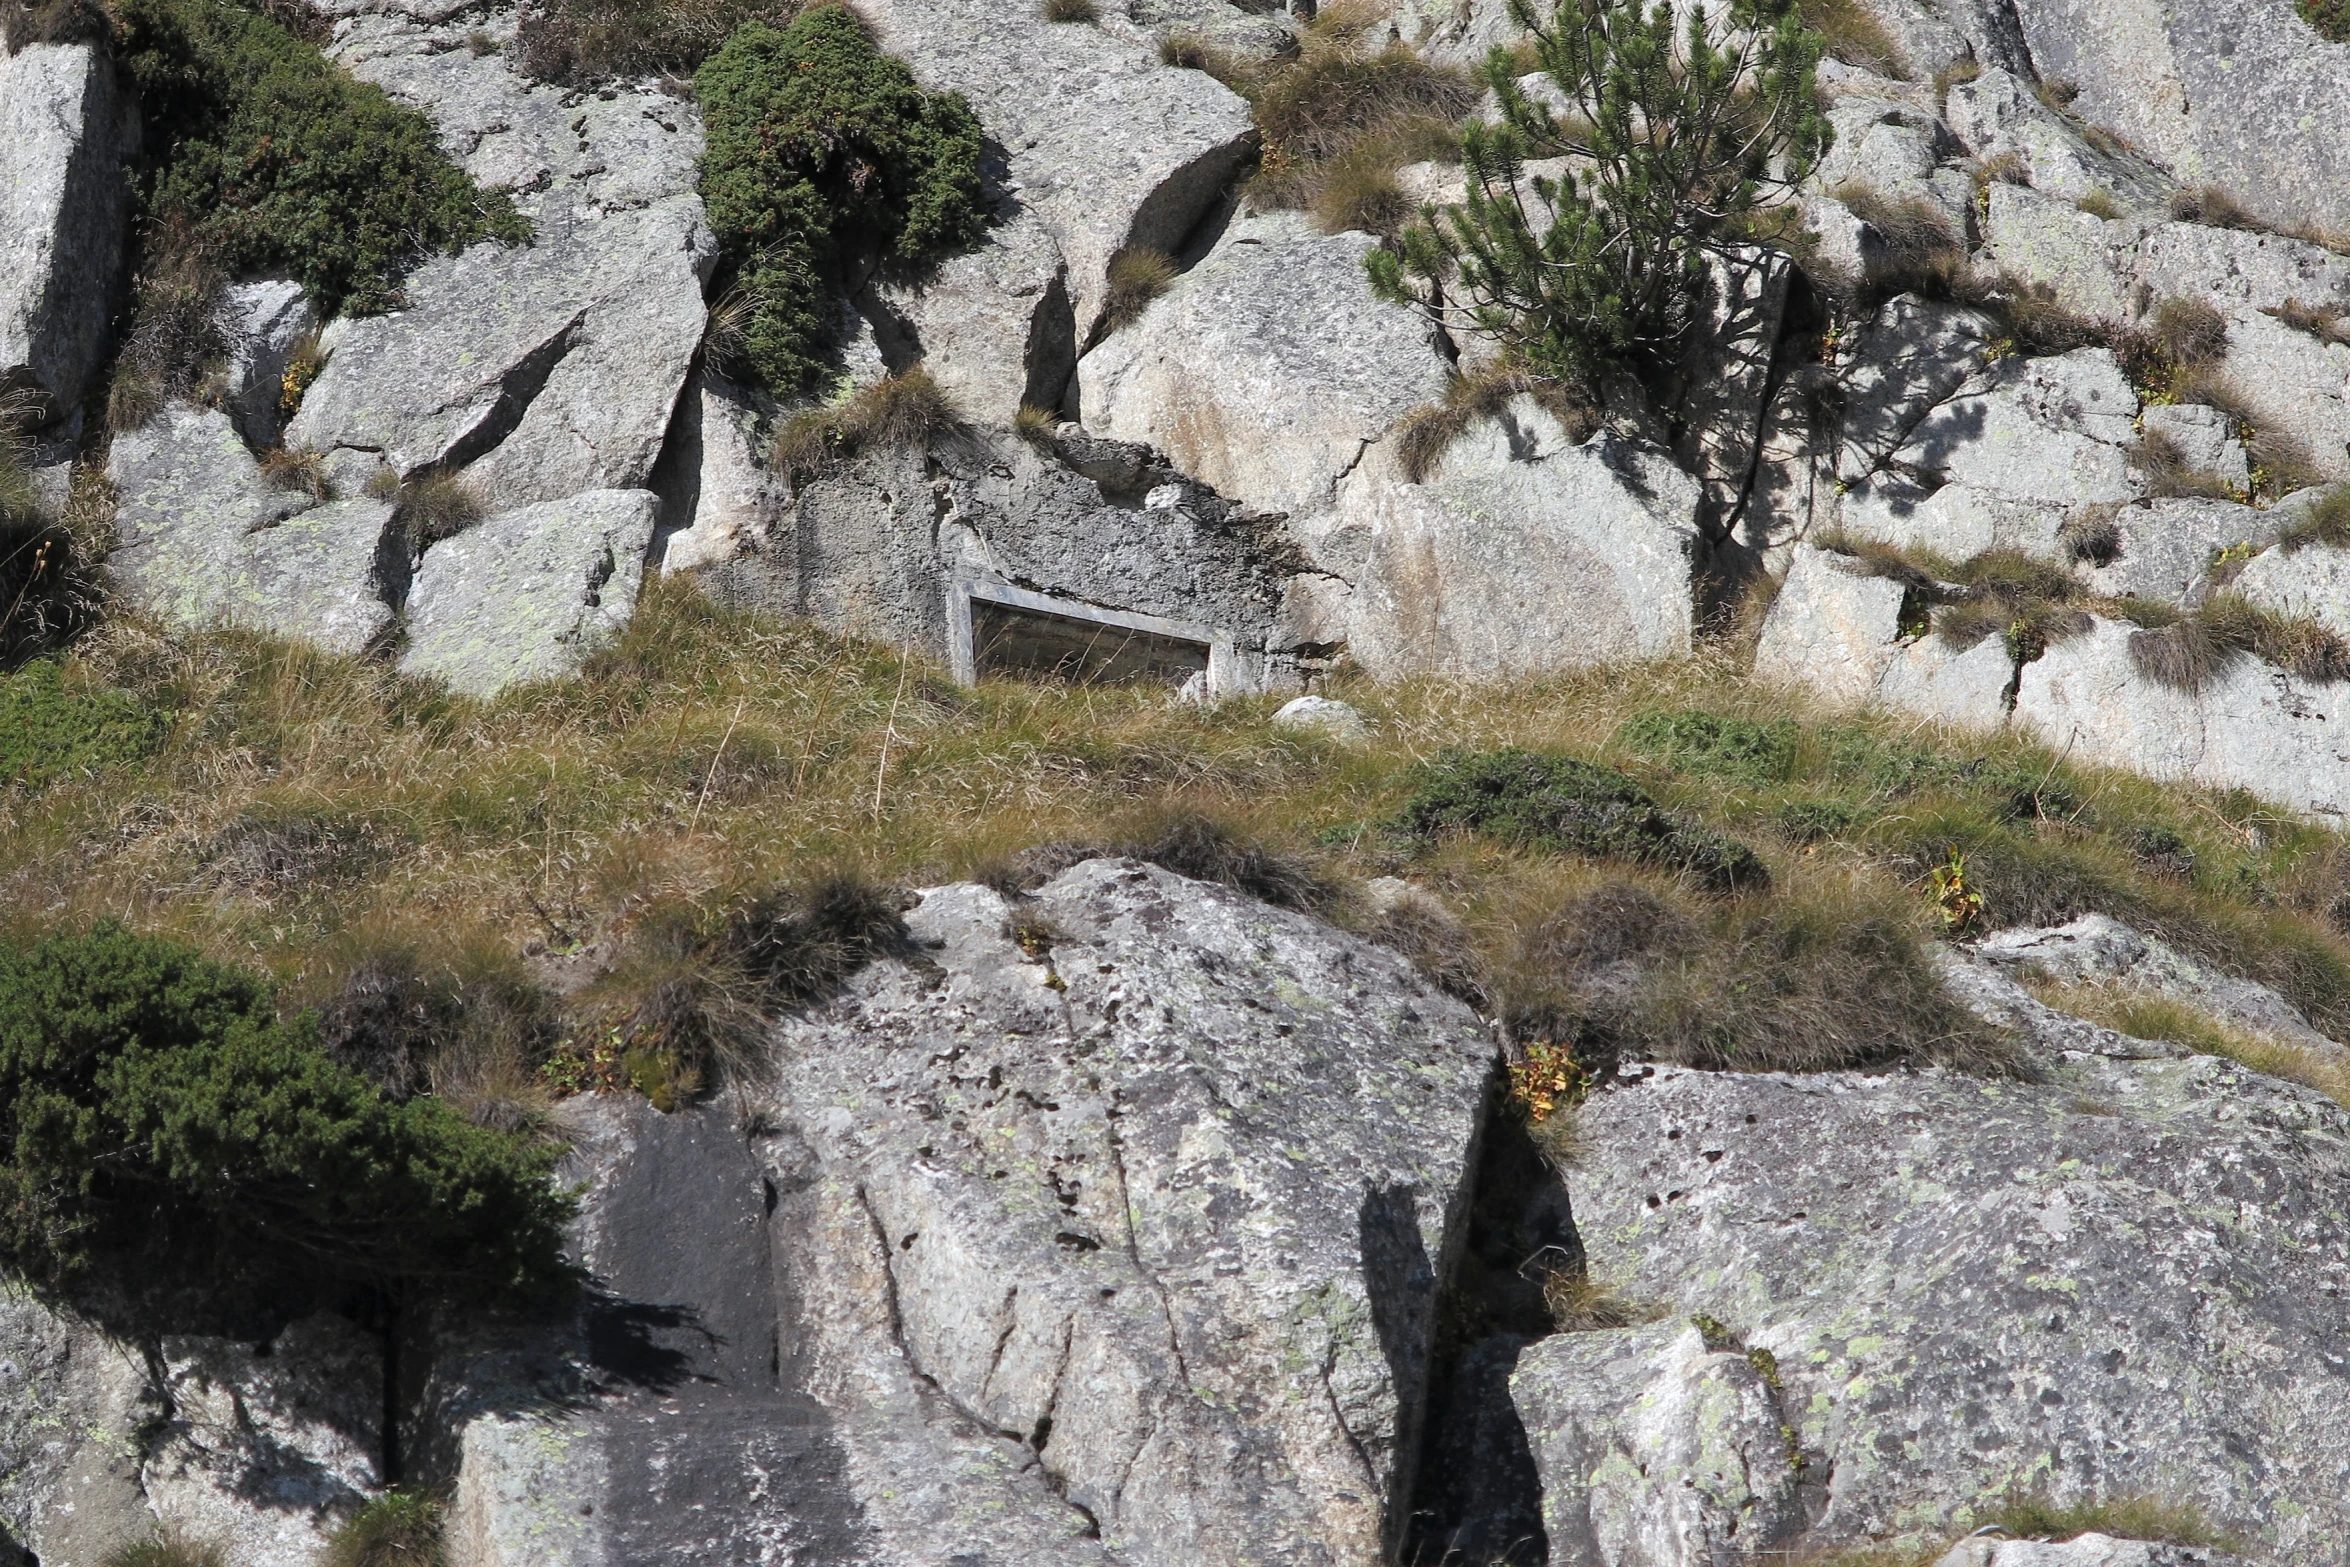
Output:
(918, 782)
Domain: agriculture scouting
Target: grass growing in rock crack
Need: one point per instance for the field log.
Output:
(2034, 1517)
(901, 412)
(167, 1548)
(397, 1529)
(2146, 1015)
(1425, 434)
(567, 863)
(2327, 523)
(1341, 118)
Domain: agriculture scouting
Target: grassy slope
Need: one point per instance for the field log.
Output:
(310, 814)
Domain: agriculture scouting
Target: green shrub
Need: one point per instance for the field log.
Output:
(48, 731)
(265, 154)
(1710, 745)
(1545, 801)
(1681, 131)
(154, 1108)
(168, 1548)
(822, 148)
(2331, 18)
(397, 1529)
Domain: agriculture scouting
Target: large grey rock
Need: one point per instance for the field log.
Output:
(1897, 151)
(66, 135)
(718, 497)
(994, 327)
(1948, 1290)
(1911, 359)
(528, 594)
(1267, 371)
(203, 539)
(2310, 583)
(1726, 378)
(1164, 1208)
(2204, 438)
(564, 155)
(1838, 632)
(73, 1405)
(2236, 93)
(1520, 553)
(2167, 547)
(1998, 115)
(1109, 147)
(266, 320)
(2052, 432)
(1656, 1449)
(2254, 727)
(2096, 949)
(543, 371)
(2121, 270)
(267, 1450)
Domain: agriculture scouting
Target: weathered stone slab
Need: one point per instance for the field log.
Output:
(203, 539)
(266, 319)
(529, 594)
(1831, 629)
(1520, 553)
(2311, 583)
(2051, 431)
(1267, 371)
(67, 134)
(1998, 115)
(1960, 1288)
(2167, 547)
(718, 498)
(266, 1452)
(72, 1405)
(543, 371)
(1164, 1206)
(994, 327)
(2236, 93)
(1110, 147)
(2254, 727)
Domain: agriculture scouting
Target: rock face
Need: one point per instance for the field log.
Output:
(204, 539)
(67, 134)
(2313, 583)
(1848, 636)
(2238, 94)
(1164, 1208)
(1521, 552)
(1866, 1249)
(529, 594)
(1107, 146)
(994, 326)
(71, 1403)
(541, 373)
(2252, 727)
(1123, 1252)
(1267, 371)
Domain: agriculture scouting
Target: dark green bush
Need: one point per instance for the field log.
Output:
(160, 1118)
(1710, 745)
(1546, 801)
(2331, 18)
(48, 731)
(822, 148)
(263, 153)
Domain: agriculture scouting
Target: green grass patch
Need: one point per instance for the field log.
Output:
(397, 1529)
(2123, 1517)
(49, 729)
(1707, 744)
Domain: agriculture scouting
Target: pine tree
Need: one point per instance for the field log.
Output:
(1669, 140)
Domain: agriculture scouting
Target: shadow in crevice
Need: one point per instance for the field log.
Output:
(1477, 1499)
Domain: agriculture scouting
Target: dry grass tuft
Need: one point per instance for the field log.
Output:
(2147, 1015)
(290, 468)
(1039, 427)
(1191, 52)
(1340, 120)
(1855, 36)
(2035, 1517)
(1424, 435)
(900, 413)
(1578, 1304)
(2325, 524)
(24, 23)
(2191, 332)
(439, 506)
(1071, 11)
(176, 337)
(167, 1548)
(584, 42)
(2166, 472)
(2327, 323)
(1138, 275)
(2189, 654)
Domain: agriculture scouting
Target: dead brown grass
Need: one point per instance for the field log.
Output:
(1341, 119)
(1138, 275)
(901, 412)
